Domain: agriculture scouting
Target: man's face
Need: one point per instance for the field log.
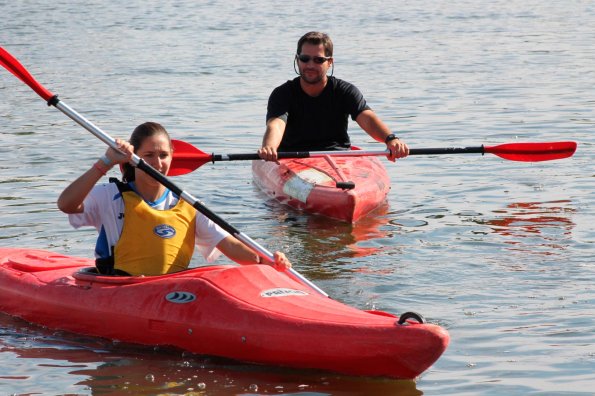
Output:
(313, 72)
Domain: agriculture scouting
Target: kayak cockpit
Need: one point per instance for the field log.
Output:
(90, 274)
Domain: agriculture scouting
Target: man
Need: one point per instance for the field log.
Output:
(310, 112)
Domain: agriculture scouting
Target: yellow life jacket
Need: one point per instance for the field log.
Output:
(154, 242)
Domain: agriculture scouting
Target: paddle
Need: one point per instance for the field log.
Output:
(187, 158)
(16, 68)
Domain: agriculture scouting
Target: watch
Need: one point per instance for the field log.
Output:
(390, 137)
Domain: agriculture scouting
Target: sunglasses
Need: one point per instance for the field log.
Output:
(317, 59)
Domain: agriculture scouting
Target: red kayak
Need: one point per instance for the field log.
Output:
(248, 313)
(343, 188)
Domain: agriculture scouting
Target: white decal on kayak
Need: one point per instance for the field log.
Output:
(314, 176)
(180, 297)
(282, 292)
(297, 188)
(300, 185)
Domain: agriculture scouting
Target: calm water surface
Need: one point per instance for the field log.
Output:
(498, 252)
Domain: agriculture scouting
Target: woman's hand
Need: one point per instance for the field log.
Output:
(242, 254)
(281, 262)
(116, 156)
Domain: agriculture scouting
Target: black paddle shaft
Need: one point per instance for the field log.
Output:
(447, 150)
(254, 156)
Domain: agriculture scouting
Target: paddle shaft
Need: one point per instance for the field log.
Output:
(348, 153)
(187, 158)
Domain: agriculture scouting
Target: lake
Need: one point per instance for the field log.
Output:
(501, 253)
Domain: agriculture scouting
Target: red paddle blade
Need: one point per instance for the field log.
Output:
(11, 64)
(186, 158)
(533, 152)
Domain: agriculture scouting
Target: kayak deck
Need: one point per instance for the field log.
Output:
(248, 313)
(314, 185)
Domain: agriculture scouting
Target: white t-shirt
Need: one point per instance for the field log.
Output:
(104, 210)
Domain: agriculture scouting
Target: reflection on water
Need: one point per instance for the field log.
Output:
(103, 367)
(324, 244)
(535, 227)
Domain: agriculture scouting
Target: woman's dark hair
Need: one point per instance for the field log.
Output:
(137, 138)
(316, 38)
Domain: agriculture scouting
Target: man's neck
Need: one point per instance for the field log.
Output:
(313, 89)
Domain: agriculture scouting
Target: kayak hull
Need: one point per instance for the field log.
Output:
(248, 313)
(314, 184)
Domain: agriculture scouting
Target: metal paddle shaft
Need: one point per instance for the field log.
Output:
(16, 68)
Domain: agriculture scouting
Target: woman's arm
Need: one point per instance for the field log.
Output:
(242, 254)
(71, 199)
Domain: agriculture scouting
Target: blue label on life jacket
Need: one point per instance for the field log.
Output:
(164, 231)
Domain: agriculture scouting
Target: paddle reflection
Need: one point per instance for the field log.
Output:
(51, 363)
(527, 225)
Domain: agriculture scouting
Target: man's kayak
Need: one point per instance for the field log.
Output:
(248, 313)
(343, 188)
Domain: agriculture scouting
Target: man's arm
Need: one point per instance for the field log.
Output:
(272, 139)
(373, 125)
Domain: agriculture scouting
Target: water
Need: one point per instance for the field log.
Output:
(499, 252)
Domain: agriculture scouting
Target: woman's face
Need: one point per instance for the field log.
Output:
(156, 151)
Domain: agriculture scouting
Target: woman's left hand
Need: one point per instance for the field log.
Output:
(281, 262)
(123, 154)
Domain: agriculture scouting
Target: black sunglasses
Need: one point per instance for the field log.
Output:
(317, 59)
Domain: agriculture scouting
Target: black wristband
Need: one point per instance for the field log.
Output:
(390, 137)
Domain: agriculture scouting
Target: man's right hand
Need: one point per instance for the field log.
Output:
(268, 153)
(272, 139)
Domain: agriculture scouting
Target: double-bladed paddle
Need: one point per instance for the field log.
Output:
(187, 158)
(16, 68)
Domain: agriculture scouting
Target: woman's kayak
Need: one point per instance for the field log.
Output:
(343, 188)
(248, 313)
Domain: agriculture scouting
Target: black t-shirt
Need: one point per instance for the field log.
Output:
(316, 123)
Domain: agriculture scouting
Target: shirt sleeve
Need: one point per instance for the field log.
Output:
(279, 102)
(354, 99)
(103, 210)
(90, 215)
(208, 235)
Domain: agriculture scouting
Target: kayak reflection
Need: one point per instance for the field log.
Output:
(97, 366)
(527, 218)
(528, 226)
(323, 243)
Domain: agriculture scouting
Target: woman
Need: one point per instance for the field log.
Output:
(144, 229)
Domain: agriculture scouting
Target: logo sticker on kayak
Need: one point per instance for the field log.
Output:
(180, 297)
(164, 231)
(282, 292)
